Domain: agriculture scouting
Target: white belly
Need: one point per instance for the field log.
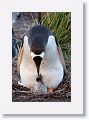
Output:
(51, 71)
(51, 67)
(28, 72)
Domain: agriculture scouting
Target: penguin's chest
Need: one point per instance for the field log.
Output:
(49, 66)
(52, 71)
(28, 72)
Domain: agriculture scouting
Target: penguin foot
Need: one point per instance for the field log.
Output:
(50, 90)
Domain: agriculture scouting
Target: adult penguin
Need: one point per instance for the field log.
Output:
(40, 59)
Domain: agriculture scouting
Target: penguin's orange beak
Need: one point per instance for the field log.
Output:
(37, 61)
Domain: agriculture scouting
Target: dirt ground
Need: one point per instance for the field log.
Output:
(22, 94)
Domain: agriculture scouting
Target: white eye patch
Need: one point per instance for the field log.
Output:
(35, 55)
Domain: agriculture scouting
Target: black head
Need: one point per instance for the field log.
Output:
(37, 40)
(37, 46)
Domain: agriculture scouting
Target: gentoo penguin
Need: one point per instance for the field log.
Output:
(40, 59)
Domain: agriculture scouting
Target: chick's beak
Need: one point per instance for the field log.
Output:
(37, 61)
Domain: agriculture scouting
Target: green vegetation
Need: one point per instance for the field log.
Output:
(60, 24)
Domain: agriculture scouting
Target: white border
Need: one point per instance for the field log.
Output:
(76, 104)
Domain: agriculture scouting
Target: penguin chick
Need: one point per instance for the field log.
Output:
(40, 55)
(39, 88)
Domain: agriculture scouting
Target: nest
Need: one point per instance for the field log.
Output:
(22, 94)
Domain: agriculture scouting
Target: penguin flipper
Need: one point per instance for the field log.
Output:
(62, 58)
